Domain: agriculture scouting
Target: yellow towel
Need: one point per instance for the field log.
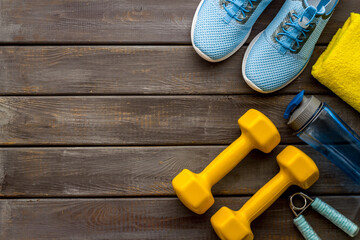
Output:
(338, 68)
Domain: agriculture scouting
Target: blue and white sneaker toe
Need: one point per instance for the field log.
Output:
(279, 54)
(221, 27)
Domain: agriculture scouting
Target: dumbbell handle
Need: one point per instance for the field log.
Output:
(306, 230)
(266, 196)
(227, 160)
(335, 217)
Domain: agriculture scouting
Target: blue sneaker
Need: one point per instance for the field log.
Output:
(221, 27)
(280, 53)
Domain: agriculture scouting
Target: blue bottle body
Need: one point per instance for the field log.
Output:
(331, 136)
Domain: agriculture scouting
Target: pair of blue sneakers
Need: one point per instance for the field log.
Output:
(277, 55)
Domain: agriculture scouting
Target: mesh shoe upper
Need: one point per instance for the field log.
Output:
(266, 69)
(268, 66)
(217, 38)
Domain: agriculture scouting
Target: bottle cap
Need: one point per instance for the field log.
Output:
(300, 110)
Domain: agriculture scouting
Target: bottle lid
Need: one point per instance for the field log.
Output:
(300, 110)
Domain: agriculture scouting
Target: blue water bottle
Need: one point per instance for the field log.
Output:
(319, 126)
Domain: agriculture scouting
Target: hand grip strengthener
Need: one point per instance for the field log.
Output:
(324, 209)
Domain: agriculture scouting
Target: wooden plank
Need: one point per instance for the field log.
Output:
(124, 21)
(152, 219)
(133, 120)
(142, 171)
(128, 70)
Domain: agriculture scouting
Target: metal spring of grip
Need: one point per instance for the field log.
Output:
(325, 210)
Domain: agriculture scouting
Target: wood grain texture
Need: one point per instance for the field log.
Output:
(124, 21)
(142, 171)
(155, 120)
(57, 148)
(164, 218)
(129, 70)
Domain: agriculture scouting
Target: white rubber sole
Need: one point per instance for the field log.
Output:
(203, 55)
(250, 83)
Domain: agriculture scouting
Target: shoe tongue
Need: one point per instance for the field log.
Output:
(319, 5)
(239, 2)
(307, 16)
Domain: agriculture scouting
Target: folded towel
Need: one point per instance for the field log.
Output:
(338, 68)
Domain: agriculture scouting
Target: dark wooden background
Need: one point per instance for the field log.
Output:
(103, 102)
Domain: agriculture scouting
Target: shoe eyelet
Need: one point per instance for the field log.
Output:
(222, 2)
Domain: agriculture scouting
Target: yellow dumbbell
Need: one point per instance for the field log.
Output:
(296, 168)
(257, 132)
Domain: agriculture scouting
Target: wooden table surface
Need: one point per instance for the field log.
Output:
(103, 102)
